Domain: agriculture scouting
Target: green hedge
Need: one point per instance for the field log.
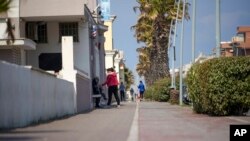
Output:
(159, 91)
(220, 86)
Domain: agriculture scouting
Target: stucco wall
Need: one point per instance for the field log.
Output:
(36, 8)
(84, 96)
(28, 96)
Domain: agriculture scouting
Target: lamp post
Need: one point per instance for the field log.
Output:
(193, 30)
(218, 28)
(174, 44)
(181, 53)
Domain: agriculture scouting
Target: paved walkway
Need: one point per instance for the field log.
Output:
(147, 121)
(112, 124)
(164, 122)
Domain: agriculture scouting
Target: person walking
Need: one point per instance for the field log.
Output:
(141, 88)
(131, 94)
(122, 91)
(96, 91)
(112, 83)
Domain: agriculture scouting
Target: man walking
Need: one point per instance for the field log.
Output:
(122, 91)
(141, 88)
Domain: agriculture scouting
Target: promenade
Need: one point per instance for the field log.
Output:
(146, 121)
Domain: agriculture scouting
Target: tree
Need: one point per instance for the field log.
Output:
(153, 28)
(129, 77)
(143, 67)
(4, 6)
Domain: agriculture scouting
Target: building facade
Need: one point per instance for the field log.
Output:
(239, 45)
(114, 58)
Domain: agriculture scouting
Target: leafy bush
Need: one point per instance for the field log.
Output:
(159, 91)
(220, 86)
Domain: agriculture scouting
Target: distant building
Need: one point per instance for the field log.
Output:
(239, 45)
(201, 58)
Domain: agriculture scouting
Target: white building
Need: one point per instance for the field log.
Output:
(58, 36)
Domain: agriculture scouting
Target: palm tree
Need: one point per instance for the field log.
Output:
(4, 6)
(129, 77)
(143, 67)
(153, 28)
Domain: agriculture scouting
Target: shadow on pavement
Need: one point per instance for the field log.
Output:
(21, 138)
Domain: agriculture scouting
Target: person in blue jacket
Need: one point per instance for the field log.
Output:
(141, 88)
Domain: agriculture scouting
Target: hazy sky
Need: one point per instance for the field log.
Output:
(233, 13)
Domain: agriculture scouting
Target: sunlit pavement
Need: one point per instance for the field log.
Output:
(165, 122)
(145, 121)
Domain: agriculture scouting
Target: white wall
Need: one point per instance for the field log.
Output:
(13, 12)
(28, 96)
(109, 61)
(3, 27)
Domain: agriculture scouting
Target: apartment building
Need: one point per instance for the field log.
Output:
(239, 45)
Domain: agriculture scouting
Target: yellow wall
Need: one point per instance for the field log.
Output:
(108, 45)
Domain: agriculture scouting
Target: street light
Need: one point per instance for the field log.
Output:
(218, 28)
(181, 53)
(193, 30)
(174, 44)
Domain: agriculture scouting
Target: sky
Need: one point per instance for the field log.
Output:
(234, 13)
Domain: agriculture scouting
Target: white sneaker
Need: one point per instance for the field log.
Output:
(118, 106)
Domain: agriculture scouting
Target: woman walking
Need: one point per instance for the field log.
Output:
(112, 83)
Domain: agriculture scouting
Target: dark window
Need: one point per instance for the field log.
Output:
(37, 31)
(50, 61)
(69, 29)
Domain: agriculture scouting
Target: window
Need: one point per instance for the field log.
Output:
(37, 31)
(69, 29)
(50, 61)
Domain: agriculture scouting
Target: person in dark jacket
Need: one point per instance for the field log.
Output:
(122, 91)
(97, 89)
(112, 83)
(141, 88)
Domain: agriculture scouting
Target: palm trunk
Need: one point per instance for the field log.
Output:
(161, 39)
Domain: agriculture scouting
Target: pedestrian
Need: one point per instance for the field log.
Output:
(122, 91)
(112, 83)
(141, 88)
(96, 91)
(132, 93)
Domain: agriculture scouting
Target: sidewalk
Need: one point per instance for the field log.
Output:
(111, 124)
(165, 122)
(147, 121)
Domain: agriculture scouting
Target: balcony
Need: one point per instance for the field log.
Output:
(238, 39)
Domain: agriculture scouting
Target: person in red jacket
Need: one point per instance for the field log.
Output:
(112, 83)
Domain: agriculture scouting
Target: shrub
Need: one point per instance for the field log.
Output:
(220, 86)
(159, 91)
(149, 93)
